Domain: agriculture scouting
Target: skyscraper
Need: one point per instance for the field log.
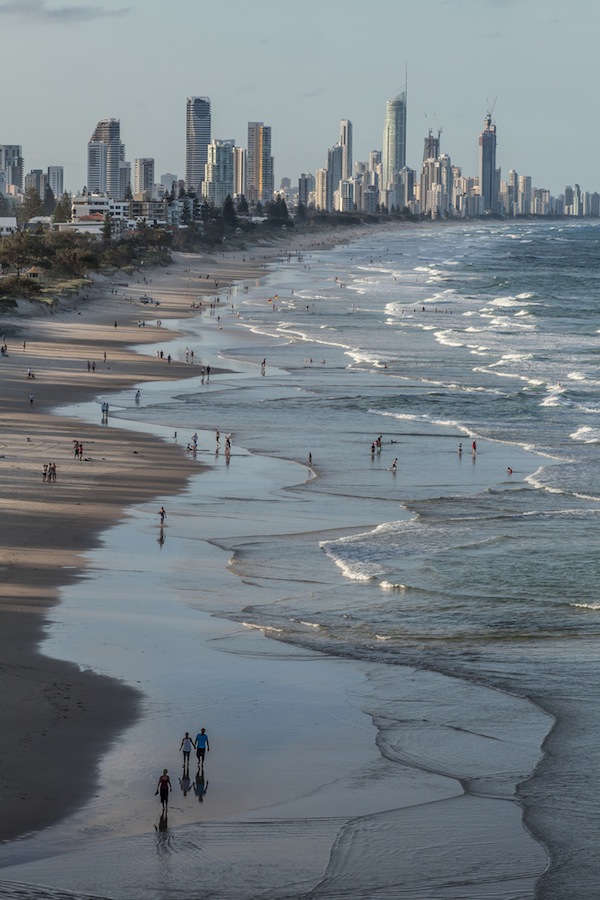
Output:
(218, 178)
(143, 175)
(12, 164)
(197, 139)
(487, 166)
(239, 172)
(56, 180)
(346, 144)
(334, 175)
(393, 156)
(104, 164)
(259, 164)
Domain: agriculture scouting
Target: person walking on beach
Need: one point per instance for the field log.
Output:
(187, 745)
(202, 745)
(162, 515)
(163, 787)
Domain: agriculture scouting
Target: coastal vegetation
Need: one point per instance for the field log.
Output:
(42, 263)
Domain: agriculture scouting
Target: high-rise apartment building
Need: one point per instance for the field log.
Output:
(239, 172)
(197, 139)
(334, 176)
(56, 181)
(218, 176)
(306, 187)
(13, 165)
(143, 175)
(104, 175)
(36, 180)
(346, 145)
(321, 189)
(393, 155)
(259, 164)
(488, 186)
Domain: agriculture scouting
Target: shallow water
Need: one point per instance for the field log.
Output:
(433, 337)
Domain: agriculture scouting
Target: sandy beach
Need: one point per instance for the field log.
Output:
(51, 708)
(313, 784)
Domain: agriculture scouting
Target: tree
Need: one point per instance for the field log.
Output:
(30, 207)
(243, 205)
(49, 203)
(229, 215)
(19, 250)
(301, 212)
(107, 229)
(5, 207)
(186, 212)
(128, 193)
(62, 210)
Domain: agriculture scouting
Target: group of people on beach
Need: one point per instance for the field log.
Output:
(201, 744)
(49, 472)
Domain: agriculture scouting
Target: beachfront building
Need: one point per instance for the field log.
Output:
(105, 153)
(143, 175)
(393, 155)
(197, 139)
(259, 164)
(218, 174)
(12, 165)
(488, 176)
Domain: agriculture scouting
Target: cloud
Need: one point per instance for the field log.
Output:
(38, 10)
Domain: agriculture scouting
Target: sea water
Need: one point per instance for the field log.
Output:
(479, 563)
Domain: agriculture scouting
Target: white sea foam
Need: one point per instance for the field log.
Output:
(586, 435)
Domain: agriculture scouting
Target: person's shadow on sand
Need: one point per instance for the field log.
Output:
(163, 835)
(200, 786)
(185, 783)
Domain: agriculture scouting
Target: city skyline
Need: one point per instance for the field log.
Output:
(305, 73)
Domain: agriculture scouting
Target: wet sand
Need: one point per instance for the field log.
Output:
(54, 712)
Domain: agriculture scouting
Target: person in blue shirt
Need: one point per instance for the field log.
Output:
(201, 746)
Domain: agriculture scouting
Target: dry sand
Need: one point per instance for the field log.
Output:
(58, 719)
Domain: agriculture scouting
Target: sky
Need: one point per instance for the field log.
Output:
(300, 66)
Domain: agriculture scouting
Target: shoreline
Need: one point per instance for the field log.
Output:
(72, 715)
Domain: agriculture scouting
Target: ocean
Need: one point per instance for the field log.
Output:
(463, 545)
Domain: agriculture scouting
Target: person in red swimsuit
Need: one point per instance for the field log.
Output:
(163, 787)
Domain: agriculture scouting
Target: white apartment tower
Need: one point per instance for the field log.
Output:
(218, 175)
(105, 153)
(197, 139)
